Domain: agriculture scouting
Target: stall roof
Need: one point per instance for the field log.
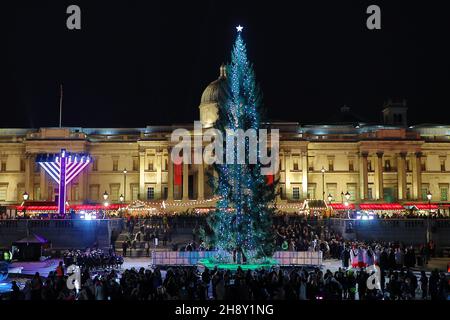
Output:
(341, 206)
(74, 207)
(32, 238)
(422, 205)
(381, 206)
(314, 205)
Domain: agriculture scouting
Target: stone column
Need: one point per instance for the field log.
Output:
(29, 176)
(304, 174)
(379, 176)
(287, 173)
(363, 176)
(185, 181)
(401, 175)
(417, 176)
(158, 175)
(43, 185)
(201, 181)
(142, 175)
(169, 176)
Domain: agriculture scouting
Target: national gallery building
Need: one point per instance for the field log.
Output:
(385, 162)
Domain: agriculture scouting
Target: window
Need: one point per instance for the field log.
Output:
(331, 189)
(423, 166)
(330, 165)
(150, 165)
(408, 192)
(166, 192)
(296, 193)
(387, 165)
(369, 165)
(443, 189)
(114, 195)
(370, 193)
(310, 164)
(150, 193)
(408, 165)
(20, 192)
(424, 192)
(22, 165)
(134, 192)
(135, 164)
(166, 164)
(443, 165)
(295, 164)
(3, 165)
(94, 190)
(37, 192)
(75, 193)
(311, 191)
(351, 166)
(115, 164)
(95, 165)
(351, 188)
(36, 167)
(3, 192)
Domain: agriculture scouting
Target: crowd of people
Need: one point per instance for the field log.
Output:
(92, 259)
(187, 283)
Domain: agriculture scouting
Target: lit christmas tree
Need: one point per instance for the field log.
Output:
(242, 220)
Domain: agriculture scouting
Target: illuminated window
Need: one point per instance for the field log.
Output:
(3, 192)
(296, 193)
(443, 189)
(150, 193)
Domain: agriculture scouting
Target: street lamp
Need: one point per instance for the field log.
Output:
(25, 196)
(323, 183)
(346, 204)
(330, 197)
(429, 196)
(347, 195)
(105, 195)
(121, 198)
(124, 183)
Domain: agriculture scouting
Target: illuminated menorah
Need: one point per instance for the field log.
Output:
(63, 168)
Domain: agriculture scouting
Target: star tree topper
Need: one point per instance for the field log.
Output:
(239, 28)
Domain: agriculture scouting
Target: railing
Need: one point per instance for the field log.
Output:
(191, 258)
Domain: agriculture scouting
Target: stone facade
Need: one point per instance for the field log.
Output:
(373, 162)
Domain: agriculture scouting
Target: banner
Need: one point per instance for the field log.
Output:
(178, 174)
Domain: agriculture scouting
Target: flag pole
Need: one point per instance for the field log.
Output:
(60, 105)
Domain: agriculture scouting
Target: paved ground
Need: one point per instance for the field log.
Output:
(44, 267)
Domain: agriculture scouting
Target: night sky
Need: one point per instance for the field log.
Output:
(138, 63)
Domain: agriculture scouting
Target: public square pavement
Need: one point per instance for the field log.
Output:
(44, 267)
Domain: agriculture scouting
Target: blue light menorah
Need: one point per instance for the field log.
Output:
(63, 168)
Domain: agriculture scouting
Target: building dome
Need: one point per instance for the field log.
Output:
(210, 99)
(211, 93)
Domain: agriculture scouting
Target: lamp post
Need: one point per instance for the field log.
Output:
(124, 184)
(347, 198)
(323, 183)
(25, 197)
(429, 196)
(121, 198)
(105, 197)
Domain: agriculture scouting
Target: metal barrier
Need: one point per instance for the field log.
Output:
(191, 258)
